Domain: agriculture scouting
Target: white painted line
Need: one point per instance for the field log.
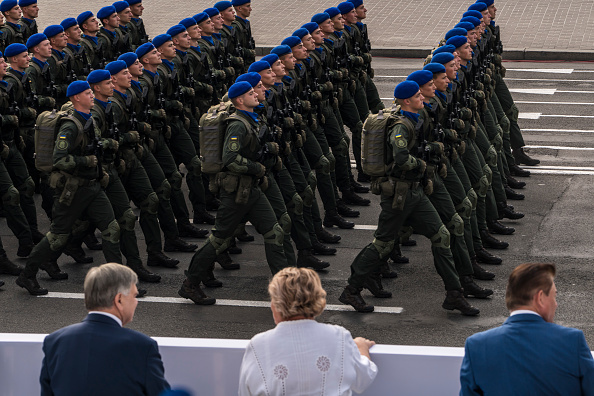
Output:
(565, 116)
(560, 172)
(565, 168)
(228, 303)
(555, 103)
(576, 92)
(546, 80)
(535, 91)
(556, 71)
(365, 227)
(562, 148)
(529, 116)
(558, 130)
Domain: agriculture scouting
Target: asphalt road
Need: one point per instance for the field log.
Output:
(557, 228)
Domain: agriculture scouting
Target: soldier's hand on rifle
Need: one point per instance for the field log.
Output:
(219, 74)
(110, 144)
(159, 114)
(278, 165)
(422, 165)
(443, 171)
(20, 143)
(262, 170)
(272, 147)
(10, 120)
(104, 180)
(5, 151)
(47, 101)
(437, 147)
(28, 112)
(131, 137)
(189, 91)
(91, 161)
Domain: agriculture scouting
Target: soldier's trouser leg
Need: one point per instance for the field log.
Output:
(462, 204)
(491, 156)
(126, 219)
(140, 191)
(340, 149)
(17, 169)
(284, 215)
(292, 188)
(478, 178)
(305, 183)
(475, 242)
(510, 109)
(323, 167)
(454, 223)
(90, 202)
(162, 187)
(504, 122)
(260, 214)
(363, 110)
(47, 195)
(194, 133)
(15, 218)
(374, 102)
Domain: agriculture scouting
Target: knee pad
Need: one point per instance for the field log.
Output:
(405, 232)
(464, 208)
(195, 166)
(28, 187)
(79, 227)
(332, 161)
(383, 248)
(472, 197)
(128, 220)
(323, 165)
(275, 236)
(175, 180)
(513, 113)
(442, 238)
(342, 148)
(505, 125)
(11, 197)
(482, 186)
(220, 244)
(456, 225)
(491, 156)
(285, 222)
(308, 196)
(57, 241)
(112, 232)
(150, 204)
(297, 204)
(312, 180)
(164, 190)
(488, 173)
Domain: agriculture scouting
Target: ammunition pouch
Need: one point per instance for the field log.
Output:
(243, 190)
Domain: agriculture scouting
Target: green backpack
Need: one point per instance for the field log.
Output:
(46, 130)
(375, 131)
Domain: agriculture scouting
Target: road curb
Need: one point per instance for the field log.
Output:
(508, 54)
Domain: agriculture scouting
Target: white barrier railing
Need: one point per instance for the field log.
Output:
(210, 367)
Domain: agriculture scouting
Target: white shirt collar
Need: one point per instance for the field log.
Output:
(523, 311)
(118, 320)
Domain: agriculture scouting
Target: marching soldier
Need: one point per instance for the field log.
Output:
(78, 64)
(136, 28)
(30, 11)
(112, 40)
(89, 25)
(243, 10)
(12, 31)
(59, 63)
(125, 15)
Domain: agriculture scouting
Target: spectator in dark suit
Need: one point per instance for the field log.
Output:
(99, 356)
(528, 354)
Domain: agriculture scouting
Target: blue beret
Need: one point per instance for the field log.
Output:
(281, 50)
(77, 87)
(478, 6)
(435, 68)
(345, 7)
(68, 23)
(52, 30)
(188, 22)
(211, 12)
(356, 3)
(270, 59)
(406, 89)
(223, 5)
(321, 17)
(175, 30)
(301, 32)
(132, 2)
(457, 41)
(291, 41)
(444, 48)
(239, 88)
(115, 67)
(120, 5)
(442, 58)
(25, 3)
(465, 25)
(488, 2)
(470, 19)
(456, 32)
(310, 26)
(332, 11)
(14, 49)
(96, 76)
(240, 2)
(421, 77)
(144, 49)
(8, 5)
(473, 13)
(253, 78)
(129, 58)
(106, 12)
(83, 16)
(35, 39)
(259, 66)
(161, 39)
(201, 17)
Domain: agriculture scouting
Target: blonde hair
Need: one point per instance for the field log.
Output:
(297, 292)
(103, 283)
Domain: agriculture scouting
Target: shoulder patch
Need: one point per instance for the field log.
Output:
(233, 144)
(62, 143)
(400, 142)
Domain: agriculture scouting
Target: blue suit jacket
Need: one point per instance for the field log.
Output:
(527, 356)
(98, 357)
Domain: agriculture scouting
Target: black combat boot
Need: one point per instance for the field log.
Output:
(306, 259)
(144, 274)
(52, 269)
(92, 242)
(408, 242)
(31, 285)
(479, 272)
(8, 267)
(178, 245)
(491, 242)
(374, 285)
(523, 158)
(397, 257)
(322, 250)
(191, 231)
(195, 293)
(455, 300)
(471, 289)
(203, 217)
(159, 259)
(77, 253)
(245, 237)
(513, 183)
(327, 237)
(485, 257)
(507, 212)
(226, 262)
(352, 296)
(25, 249)
(363, 177)
(386, 271)
(334, 219)
(346, 211)
(515, 170)
(351, 198)
(496, 227)
(511, 194)
(233, 248)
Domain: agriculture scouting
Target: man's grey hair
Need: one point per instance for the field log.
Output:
(103, 283)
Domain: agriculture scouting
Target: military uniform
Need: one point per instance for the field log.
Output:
(245, 40)
(94, 51)
(28, 26)
(13, 33)
(113, 44)
(77, 64)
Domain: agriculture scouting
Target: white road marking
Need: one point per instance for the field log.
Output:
(535, 91)
(555, 103)
(546, 80)
(228, 303)
(565, 116)
(563, 168)
(558, 130)
(556, 71)
(563, 148)
(561, 172)
(529, 116)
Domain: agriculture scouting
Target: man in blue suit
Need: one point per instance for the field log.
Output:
(99, 356)
(528, 354)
